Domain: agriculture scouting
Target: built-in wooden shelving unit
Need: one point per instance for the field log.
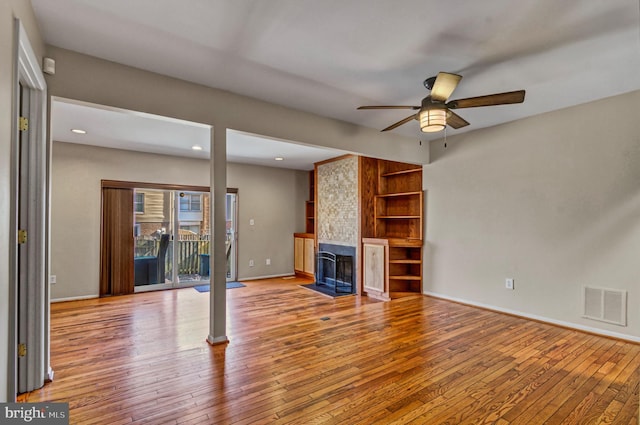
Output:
(393, 258)
(304, 243)
(310, 206)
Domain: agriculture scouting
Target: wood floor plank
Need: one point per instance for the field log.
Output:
(143, 359)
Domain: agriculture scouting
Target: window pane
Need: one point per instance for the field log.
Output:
(184, 203)
(195, 202)
(138, 203)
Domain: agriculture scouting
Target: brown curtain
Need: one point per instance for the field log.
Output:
(117, 244)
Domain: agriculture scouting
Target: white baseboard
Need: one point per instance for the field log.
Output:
(144, 288)
(82, 297)
(265, 277)
(538, 318)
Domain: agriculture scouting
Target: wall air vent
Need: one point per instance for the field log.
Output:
(605, 305)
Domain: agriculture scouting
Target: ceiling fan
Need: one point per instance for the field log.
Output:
(436, 113)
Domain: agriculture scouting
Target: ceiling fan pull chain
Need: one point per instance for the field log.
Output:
(445, 137)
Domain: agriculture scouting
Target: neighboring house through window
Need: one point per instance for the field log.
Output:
(138, 203)
(191, 202)
(193, 228)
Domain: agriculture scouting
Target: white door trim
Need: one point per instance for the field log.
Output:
(32, 315)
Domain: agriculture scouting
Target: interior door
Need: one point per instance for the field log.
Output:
(22, 249)
(28, 339)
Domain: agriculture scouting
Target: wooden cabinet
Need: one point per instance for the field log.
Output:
(375, 267)
(309, 262)
(392, 260)
(392, 268)
(304, 254)
(298, 254)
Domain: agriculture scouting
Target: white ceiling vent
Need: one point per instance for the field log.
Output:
(605, 305)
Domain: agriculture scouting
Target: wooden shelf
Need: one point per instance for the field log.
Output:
(387, 217)
(404, 242)
(405, 261)
(401, 294)
(405, 277)
(397, 173)
(391, 195)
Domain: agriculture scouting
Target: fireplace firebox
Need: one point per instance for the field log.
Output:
(335, 271)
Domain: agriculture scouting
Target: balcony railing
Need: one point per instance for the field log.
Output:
(188, 252)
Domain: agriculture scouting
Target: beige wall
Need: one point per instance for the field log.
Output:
(9, 9)
(98, 81)
(552, 201)
(268, 195)
(274, 198)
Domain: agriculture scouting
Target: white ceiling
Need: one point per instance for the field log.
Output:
(121, 129)
(330, 56)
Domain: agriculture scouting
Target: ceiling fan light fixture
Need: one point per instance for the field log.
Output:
(432, 120)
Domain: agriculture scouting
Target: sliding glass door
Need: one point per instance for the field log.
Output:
(153, 231)
(191, 251)
(171, 237)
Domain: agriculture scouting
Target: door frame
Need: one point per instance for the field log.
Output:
(28, 273)
(119, 184)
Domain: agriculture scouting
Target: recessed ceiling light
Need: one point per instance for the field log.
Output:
(78, 131)
(279, 158)
(196, 147)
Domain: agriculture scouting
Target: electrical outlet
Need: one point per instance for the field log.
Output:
(508, 283)
(268, 261)
(52, 279)
(251, 264)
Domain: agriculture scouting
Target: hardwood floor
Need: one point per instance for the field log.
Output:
(143, 359)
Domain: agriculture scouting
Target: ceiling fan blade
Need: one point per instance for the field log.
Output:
(489, 100)
(389, 107)
(444, 85)
(455, 120)
(399, 123)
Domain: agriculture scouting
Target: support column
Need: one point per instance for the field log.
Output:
(218, 257)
